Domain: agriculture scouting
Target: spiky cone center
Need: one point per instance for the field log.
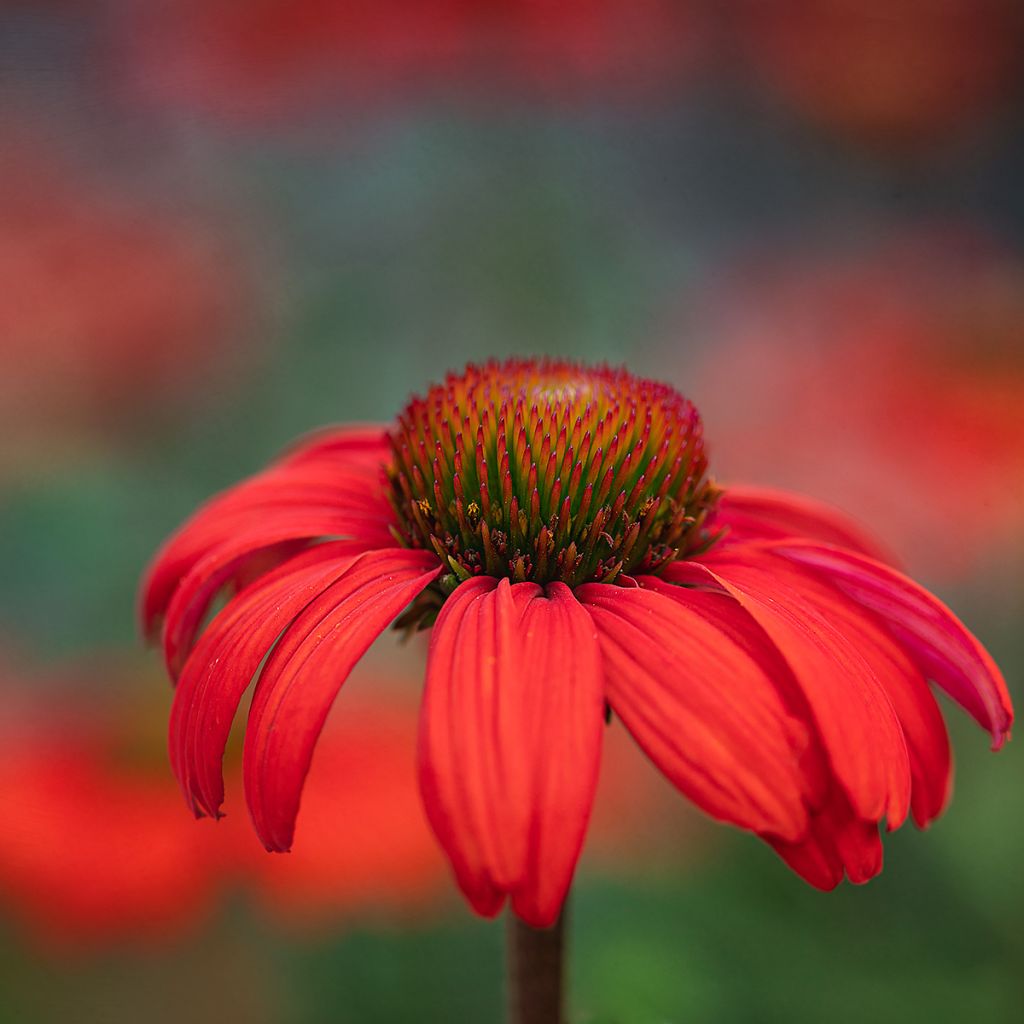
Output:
(544, 471)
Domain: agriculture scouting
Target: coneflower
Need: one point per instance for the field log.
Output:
(556, 528)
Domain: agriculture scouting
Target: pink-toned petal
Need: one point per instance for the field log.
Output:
(306, 670)
(701, 689)
(223, 663)
(938, 642)
(510, 741)
(838, 843)
(853, 713)
(758, 513)
(300, 500)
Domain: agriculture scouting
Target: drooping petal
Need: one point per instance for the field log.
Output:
(200, 586)
(306, 670)
(702, 690)
(851, 709)
(462, 677)
(916, 708)
(565, 699)
(275, 510)
(301, 498)
(838, 843)
(938, 642)
(758, 513)
(510, 741)
(227, 656)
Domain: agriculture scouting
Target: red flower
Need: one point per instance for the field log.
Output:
(556, 527)
(90, 780)
(277, 57)
(74, 792)
(838, 376)
(367, 846)
(107, 307)
(889, 73)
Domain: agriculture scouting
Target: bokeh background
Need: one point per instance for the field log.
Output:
(226, 222)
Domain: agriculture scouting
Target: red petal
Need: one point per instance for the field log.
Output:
(838, 842)
(564, 696)
(337, 494)
(931, 634)
(360, 445)
(223, 663)
(456, 797)
(510, 741)
(915, 706)
(697, 684)
(854, 715)
(306, 670)
(197, 590)
(755, 513)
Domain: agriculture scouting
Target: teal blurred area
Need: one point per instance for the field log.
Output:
(224, 224)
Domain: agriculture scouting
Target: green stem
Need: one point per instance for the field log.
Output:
(535, 972)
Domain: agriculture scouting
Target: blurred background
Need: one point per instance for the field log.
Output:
(226, 222)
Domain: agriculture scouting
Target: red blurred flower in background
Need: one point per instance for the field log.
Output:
(367, 848)
(892, 74)
(94, 848)
(90, 848)
(110, 308)
(556, 527)
(272, 58)
(362, 844)
(890, 382)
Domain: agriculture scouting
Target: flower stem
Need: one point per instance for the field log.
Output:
(535, 975)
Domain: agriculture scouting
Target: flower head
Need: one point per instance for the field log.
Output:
(556, 527)
(545, 472)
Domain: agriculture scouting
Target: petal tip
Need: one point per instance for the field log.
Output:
(1000, 736)
(539, 916)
